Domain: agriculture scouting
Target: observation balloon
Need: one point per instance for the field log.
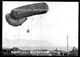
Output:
(19, 15)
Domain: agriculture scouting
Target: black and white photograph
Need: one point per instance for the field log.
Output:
(40, 28)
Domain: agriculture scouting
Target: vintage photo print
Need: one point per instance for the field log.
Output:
(39, 28)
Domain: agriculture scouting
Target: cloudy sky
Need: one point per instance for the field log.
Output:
(54, 26)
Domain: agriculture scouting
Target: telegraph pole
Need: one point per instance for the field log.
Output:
(67, 45)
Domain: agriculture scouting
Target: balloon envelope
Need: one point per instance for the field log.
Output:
(29, 10)
(19, 15)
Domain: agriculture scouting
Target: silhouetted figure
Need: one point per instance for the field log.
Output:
(56, 49)
(74, 49)
(28, 31)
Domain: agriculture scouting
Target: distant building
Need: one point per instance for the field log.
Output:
(21, 51)
(39, 52)
(15, 49)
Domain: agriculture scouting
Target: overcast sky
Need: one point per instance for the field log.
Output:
(54, 26)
